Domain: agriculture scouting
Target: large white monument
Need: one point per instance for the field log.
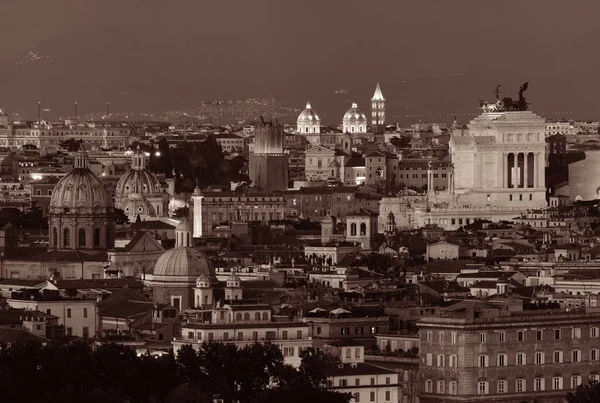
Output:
(498, 168)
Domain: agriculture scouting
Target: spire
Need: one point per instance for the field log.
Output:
(308, 105)
(378, 95)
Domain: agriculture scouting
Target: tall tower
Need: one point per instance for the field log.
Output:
(268, 162)
(377, 109)
(197, 211)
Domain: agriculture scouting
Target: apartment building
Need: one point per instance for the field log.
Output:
(474, 351)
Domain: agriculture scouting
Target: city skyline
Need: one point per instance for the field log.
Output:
(152, 57)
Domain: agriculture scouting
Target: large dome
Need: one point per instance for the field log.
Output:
(138, 181)
(355, 115)
(308, 115)
(80, 191)
(184, 262)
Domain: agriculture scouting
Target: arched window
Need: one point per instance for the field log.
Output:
(81, 238)
(54, 242)
(363, 229)
(66, 238)
(97, 237)
(246, 316)
(348, 353)
(265, 316)
(353, 229)
(257, 316)
(238, 316)
(357, 352)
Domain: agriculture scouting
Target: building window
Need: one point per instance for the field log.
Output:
(520, 335)
(594, 378)
(85, 312)
(441, 360)
(357, 397)
(85, 331)
(576, 333)
(538, 384)
(66, 238)
(441, 337)
(387, 395)
(539, 357)
(441, 387)
(521, 359)
(357, 382)
(502, 360)
(97, 237)
(502, 336)
(483, 361)
(520, 385)
(372, 397)
(429, 359)
(453, 361)
(453, 388)
(81, 237)
(501, 386)
(575, 381)
(558, 357)
(557, 334)
(593, 332)
(538, 335)
(557, 383)
(68, 312)
(482, 337)
(483, 388)
(575, 356)
(453, 337)
(509, 197)
(429, 337)
(594, 354)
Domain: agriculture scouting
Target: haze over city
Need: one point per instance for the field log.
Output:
(432, 57)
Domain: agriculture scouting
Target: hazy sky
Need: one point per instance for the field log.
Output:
(431, 56)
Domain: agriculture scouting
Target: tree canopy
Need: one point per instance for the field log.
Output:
(76, 372)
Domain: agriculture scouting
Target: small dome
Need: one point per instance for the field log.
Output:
(355, 115)
(184, 262)
(80, 189)
(308, 115)
(234, 278)
(203, 278)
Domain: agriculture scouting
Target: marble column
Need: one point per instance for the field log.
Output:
(515, 172)
(541, 170)
(535, 170)
(525, 171)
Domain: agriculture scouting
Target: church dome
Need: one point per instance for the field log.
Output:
(80, 190)
(308, 115)
(355, 115)
(137, 181)
(184, 262)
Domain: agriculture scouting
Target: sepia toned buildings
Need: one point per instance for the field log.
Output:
(475, 351)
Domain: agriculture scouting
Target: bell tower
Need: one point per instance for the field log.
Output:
(378, 110)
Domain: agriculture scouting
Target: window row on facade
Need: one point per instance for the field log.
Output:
(538, 384)
(520, 335)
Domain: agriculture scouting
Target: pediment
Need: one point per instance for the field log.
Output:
(144, 244)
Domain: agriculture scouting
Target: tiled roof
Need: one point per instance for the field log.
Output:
(18, 336)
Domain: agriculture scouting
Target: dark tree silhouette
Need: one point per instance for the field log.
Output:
(585, 393)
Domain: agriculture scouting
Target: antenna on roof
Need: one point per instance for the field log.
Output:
(39, 113)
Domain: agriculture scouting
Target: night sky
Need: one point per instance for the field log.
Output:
(434, 57)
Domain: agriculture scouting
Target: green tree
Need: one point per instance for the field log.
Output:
(585, 393)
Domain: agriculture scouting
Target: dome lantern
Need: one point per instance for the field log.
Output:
(183, 234)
